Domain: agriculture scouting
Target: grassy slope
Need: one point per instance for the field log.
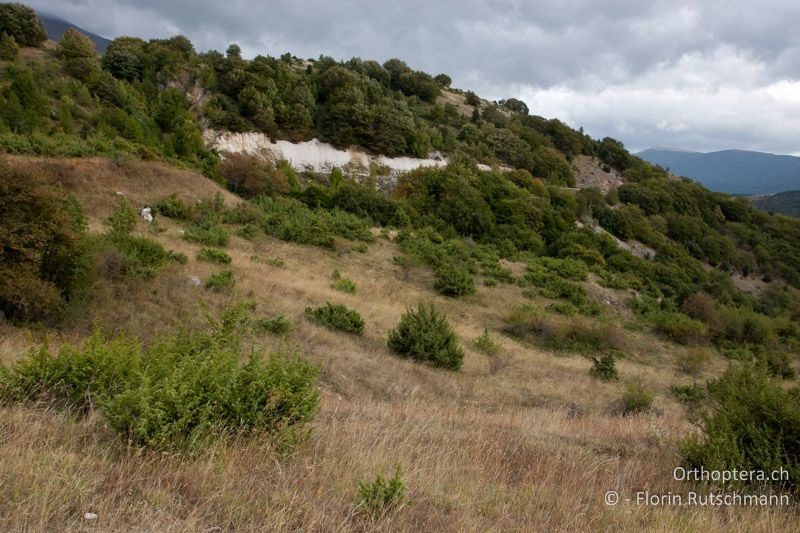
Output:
(480, 450)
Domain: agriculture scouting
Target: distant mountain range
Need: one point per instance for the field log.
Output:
(56, 27)
(787, 203)
(733, 171)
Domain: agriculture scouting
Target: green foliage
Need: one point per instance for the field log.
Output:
(173, 207)
(604, 368)
(8, 47)
(453, 279)
(279, 325)
(290, 220)
(381, 495)
(636, 399)
(562, 308)
(43, 259)
(221, 281)
(122, 221)
(213, 256)
(78, 54)
(679, 327)
(21, 23)
(178, 392)
(426, 336)
(750, 423)
(121, 255)
(207, 233)
(337, 316)
(558, 333)
(689, 394)
(250, 176)
(485, 343)
(178, 257)
(344, 285)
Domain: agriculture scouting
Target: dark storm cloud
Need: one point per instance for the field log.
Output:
(704, 74)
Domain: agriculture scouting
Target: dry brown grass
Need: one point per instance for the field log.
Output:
(479, 450)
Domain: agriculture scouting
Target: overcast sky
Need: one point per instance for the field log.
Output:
(703, 75)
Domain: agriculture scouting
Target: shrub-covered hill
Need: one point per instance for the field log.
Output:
(150, 99)
(496, 319)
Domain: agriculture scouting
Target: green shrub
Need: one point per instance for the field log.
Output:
(207, 234)
(485, 343)
(220, 281)
(562, 308)
(337, 317)
(557, 333)
(426, 336)
(778, 364)
(123, 220)
(248, 232)
(381, 495)
(276, 262)
(636, 399)
(751, 423)
(8, 47)
(213, 256)
(738, 353)
(679, 327)
(290, 220)
(280, 325)
(123, 255)
(604, 368)
(173, 207)
(692, 361)
(453, 280)
(344, 285)
(176, 393)
(690, 394)
(178, 257)
(744, 326)
(43, 248)
(21, 23)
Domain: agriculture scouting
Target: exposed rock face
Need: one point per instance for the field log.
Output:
(320, 157)
(590, 172)
(635, 247)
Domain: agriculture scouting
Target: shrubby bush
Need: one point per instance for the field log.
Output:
(213, 256)
(679, 327)
(21, 23)
(604, 368)
(750, 423)
(635, 400)
(8, 47)
(250, 176)
(221, 281)
(425, 335)
(453, 280)
(177, 392)
(381, 495)
(43, 248)
(337, 316)
(173, 207)
(290, 220)
(207, 233)
(279, 325)
(558, 333)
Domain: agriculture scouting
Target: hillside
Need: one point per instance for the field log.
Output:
(56, 26)
(732, 171)
(284, 295)
(786, 203)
